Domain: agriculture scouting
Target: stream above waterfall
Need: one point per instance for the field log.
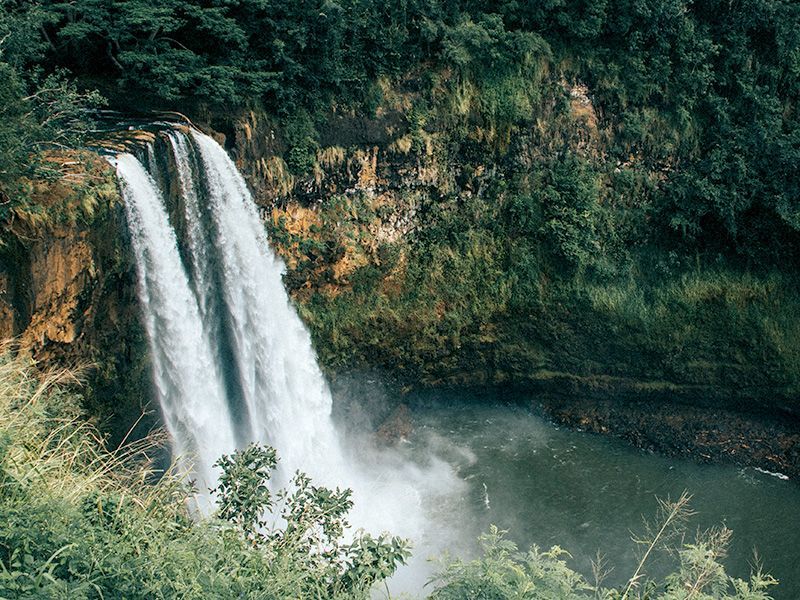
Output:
(587, 493)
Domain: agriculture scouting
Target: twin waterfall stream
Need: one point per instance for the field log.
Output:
(228, 311)
(232, 361)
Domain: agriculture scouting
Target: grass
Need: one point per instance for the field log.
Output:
(504, 572)
(716, 317)
(62, 454)
(75, 187)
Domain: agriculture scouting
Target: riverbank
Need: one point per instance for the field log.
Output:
(769, 442)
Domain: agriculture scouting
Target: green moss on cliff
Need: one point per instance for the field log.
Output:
(459, 263)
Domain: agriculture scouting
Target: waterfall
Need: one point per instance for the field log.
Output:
(232, 361)
(287, 400)
(190, 393)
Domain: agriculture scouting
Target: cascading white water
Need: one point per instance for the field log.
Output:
(232, 360)
(191, 395)
(287, 400)
(197, 236)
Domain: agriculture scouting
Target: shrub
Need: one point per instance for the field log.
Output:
(503, 573)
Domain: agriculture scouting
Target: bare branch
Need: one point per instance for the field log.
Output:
(110, 53)
(672, 513)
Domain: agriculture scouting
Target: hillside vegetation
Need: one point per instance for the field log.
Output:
(81, 521)
(697, 102)
(600, 189)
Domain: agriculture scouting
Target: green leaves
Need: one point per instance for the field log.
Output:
(40, 114)
(568, 197)
(505, 67)
(502, 572)
(80, 522)
(313, 522)
(243, 493)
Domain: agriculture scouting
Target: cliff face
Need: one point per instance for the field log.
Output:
(399, 255)
(421, 252)
(68, 288)
(60, 269)
(410, 250)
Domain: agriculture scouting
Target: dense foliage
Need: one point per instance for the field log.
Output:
(697, 101)
(503, 572)
(79, 521)
(40, 108)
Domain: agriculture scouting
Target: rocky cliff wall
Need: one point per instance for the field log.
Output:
(404, 256)
(398, 252)
(68, 290)
(396, 238)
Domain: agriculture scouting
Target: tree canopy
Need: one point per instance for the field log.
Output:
(702, 92)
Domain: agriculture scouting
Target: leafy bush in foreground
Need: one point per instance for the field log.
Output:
(78, 521)
(502, 572)
(505, 573)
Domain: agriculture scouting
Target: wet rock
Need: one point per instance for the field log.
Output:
(397, 427)
(761, 440)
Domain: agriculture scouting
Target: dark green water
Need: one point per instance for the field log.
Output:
(586, 492)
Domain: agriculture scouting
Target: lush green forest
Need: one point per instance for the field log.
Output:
(698, 101)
